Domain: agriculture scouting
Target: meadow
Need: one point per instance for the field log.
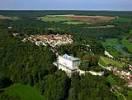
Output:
(2, 17)
(116, 48)
(107, 61)
(127, 44)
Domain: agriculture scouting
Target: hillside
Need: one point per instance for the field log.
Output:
(30, 45)
(21, 92)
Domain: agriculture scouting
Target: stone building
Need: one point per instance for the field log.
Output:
(67, 63)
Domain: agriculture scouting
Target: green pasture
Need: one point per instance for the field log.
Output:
(110, 42)
(107, 61)
(123, 20)
(116, 47)
(52, 18)
(74, 22)
(61, 18)
(127, 44)
(110, 45)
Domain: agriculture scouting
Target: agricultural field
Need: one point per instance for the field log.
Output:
(74, 22)
(21, 92)
(93, 19)
(101, 27)
(76, 19)
(107, 61)
(53, 18)
(2, 17)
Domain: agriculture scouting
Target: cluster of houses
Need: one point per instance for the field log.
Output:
(125, 75)
(52, 40)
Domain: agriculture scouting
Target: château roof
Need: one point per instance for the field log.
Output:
(66, 56)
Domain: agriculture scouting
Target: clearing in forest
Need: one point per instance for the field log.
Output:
(2, 17)
(107, 61)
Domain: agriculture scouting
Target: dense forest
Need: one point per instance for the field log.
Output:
(31, 65)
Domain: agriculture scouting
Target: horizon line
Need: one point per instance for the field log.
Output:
(61, 10)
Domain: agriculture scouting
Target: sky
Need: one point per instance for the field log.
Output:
(117, 5)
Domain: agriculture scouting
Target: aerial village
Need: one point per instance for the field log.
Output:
(70, 64)
(52, 40)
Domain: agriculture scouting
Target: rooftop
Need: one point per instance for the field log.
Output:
(70, 57)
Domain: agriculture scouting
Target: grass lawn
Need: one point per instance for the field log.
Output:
(127, 44)
(106, 61)
(24, 92)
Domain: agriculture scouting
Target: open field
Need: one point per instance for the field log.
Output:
(4, 17)
(23, 92)
(123, 19)
(53, 18)
(77, 19)
(110, 45)
(8, 18)
(74, 22)
(107, 61)
(100, 27)
(92, 19)
(115, 47)
(127, 44)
